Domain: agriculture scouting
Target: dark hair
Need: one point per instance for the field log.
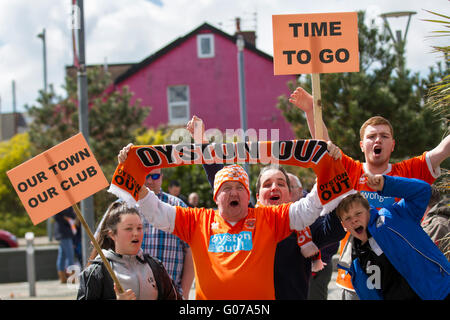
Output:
(272, 167)
(112, 218)
(174, 183)
(348, 201)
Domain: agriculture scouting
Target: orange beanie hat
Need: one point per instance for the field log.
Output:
(231, 173)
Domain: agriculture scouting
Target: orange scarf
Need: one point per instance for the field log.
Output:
(332, 179)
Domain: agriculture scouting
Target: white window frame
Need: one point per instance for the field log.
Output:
(170, 105)
(200, 37)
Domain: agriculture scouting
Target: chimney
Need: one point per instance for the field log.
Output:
(249, 36)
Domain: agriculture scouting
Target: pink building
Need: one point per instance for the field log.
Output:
(198, 74)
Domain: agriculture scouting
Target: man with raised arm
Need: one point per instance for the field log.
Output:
(377, 143)
(234, 246)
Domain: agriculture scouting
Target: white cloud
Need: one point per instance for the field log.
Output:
(129, 31)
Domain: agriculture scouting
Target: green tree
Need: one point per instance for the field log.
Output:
(114, 121)
(12, 153)
(438, 97)
(13, 216)
(379, 88)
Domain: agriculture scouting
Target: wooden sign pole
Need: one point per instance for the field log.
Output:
(318, 123)
(97, 247)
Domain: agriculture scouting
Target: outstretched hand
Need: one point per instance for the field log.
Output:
(123, 154)
(121, 157)
(196, 128)
(302, 99)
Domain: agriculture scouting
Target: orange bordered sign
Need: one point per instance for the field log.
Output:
(57, 178)
(315, 43)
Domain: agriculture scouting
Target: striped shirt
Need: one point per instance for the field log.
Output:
(165, 246)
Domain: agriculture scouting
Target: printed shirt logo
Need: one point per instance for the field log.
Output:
(225, 242)
(214, 225)
(250, 223)
(376, 200)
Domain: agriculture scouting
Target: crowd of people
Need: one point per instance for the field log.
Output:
(390, 233)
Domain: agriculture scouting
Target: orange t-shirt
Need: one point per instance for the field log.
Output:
(416, 167)
(233, 262)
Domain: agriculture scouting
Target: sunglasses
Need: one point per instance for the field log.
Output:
(154, 176)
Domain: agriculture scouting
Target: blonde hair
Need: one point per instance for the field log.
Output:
(375, 121)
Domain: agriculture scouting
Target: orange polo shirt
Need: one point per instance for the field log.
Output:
(233, 262)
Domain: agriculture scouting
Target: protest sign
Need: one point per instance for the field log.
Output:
(315, 43)
(57, 178)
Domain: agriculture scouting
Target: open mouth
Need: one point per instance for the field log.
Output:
(359, 230)
(377, 150)
(274, 198)
(234, 203)
(134, 241)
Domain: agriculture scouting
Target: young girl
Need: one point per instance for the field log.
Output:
(141, 276)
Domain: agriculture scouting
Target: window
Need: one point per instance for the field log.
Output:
(178, 101)
(205, 45)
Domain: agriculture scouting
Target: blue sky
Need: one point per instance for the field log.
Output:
(120, 31)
